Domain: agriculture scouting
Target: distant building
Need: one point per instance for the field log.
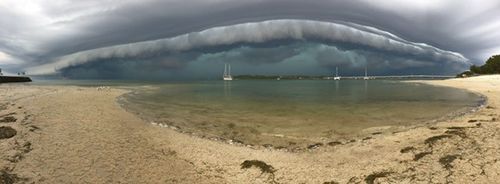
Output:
(1, 72)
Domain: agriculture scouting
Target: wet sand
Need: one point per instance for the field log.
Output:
(67, 134)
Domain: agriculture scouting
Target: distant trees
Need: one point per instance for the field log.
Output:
(492, 66)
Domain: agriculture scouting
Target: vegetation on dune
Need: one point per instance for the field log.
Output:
(492, 66)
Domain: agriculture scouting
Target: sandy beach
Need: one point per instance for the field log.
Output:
(70, 134)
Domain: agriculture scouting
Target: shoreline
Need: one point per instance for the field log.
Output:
(68, 134)
(311, 145)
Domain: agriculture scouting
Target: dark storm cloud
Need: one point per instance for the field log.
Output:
(257, 32)
(40, 32)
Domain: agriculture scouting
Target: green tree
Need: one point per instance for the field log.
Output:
(492, 66)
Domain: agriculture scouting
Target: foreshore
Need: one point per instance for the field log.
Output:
(69, 134)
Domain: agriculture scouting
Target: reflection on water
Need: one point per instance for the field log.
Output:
(227, 88)
(280, 112)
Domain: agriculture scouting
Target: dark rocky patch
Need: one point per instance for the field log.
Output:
(314, 146)
(447, 160)
(370, 179)
(433, 128)
(472, 121)
(334, 143)
(407, 149)
(376, 133)
(456, 128)
(264, 168)
(419, 156)
(490, 107)
(7, 132)
(8, 119)
(431, 140)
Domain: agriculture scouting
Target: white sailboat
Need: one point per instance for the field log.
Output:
(227, 73)
(366, 74)
(337, 77)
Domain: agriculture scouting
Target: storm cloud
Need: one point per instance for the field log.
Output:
(258, 32)
(429, 35)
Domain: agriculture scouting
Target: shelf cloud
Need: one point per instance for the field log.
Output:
(100, 36)
(258, 32)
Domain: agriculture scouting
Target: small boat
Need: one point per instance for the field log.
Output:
(227, 73)
(337, 77)
(366, 74)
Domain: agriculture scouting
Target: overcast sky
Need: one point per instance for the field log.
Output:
(171, 39)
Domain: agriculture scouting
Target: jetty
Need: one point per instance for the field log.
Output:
(20, 78)
(5, 79)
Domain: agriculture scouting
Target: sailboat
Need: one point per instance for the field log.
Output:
(227, 73)
(366, 74)
(337, 77)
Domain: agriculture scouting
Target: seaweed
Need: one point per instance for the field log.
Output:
(418, 156)
(407, 149)
(458, 132)
(330, 182)
(8, 178)
(431, 140)
(264, 168)
(8, 119)
(267, 145)
(367, 138)
(370, 179)
(334, 143)
(447, 160)
(7, 132)
(314, 146)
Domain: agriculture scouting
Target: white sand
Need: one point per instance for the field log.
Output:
(81, 135)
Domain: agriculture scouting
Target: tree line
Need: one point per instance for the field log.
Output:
(492, 66)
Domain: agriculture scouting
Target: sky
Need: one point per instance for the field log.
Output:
(192, 39)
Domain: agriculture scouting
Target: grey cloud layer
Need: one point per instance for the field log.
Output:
(258, 32)
(37, 32)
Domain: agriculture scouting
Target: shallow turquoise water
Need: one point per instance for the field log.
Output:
(265, 111)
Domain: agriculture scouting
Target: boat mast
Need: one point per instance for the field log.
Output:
(225, 69)
(229, 69)
(336, 71)
(366, 71)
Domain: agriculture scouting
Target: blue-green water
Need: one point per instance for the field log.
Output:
(282, 112)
